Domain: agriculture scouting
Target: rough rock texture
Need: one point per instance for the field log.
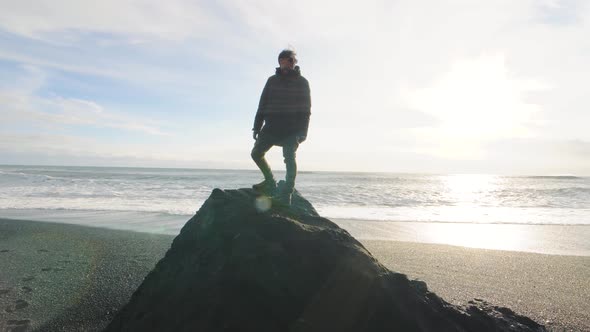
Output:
(234, 268)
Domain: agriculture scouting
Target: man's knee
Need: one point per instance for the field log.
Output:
(256, 154)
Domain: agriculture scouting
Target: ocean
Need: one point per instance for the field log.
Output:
(522, 213)
(162, 200)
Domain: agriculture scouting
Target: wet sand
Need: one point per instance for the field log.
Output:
(553, 290)
(568, 240)
(60, 277)
(63, 277)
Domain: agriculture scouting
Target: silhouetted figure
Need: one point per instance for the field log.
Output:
(284, 108)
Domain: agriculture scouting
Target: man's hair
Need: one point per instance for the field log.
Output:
(286, 53)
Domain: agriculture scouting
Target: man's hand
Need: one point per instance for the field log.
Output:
(301, 139)
(255, 134)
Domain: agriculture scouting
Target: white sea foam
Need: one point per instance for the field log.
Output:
(363, 196)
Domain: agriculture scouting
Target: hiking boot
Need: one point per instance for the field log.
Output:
(266, 186)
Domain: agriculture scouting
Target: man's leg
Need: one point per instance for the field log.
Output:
(260, 148)
(289, 152)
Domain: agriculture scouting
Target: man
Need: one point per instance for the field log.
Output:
(284, 108)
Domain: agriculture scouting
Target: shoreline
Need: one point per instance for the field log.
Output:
(568, 240)
(549, 239)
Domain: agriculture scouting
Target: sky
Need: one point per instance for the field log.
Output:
(417, 86)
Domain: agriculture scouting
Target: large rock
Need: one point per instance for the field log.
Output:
(235, 267)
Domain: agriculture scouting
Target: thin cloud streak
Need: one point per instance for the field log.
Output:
(20, 106)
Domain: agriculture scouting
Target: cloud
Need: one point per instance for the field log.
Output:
(174, 20)
(18, 148)
(405, 79)
(21, 106)
(560, 12)
(25, 109)
(35, 60)
(539, 156)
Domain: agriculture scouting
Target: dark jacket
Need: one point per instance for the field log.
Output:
(285, 105)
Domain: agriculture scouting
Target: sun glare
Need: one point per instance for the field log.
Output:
(486, 236)
(468, 192)
(465, 187)
(477, 100)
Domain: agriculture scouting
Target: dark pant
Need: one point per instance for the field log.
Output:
(266, 141)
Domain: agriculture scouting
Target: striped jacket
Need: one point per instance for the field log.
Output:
(285, 105)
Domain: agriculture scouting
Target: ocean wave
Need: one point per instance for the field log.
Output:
(460, 214)
(384, 196)
(466, 222)
(336, 213)
(564, 177)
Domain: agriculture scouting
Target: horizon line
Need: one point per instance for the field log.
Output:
(303, 171)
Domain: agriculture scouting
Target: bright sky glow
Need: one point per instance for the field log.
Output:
(476, 101)
(399, 86)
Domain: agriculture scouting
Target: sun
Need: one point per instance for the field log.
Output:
(478, 100)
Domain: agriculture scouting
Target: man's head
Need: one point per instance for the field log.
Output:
(287, 60)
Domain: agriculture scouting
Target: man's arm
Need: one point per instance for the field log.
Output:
(259, 119)
(305, 113)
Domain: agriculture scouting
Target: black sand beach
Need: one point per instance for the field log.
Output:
(553, 290)
(61, 277)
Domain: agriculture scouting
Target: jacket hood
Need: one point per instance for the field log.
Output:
(295, 72)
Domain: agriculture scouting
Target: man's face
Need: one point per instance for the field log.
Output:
(287, 63)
